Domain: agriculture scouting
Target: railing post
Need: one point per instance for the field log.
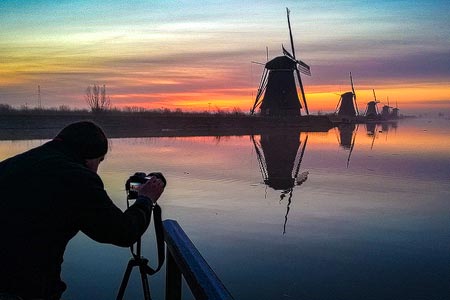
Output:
(173, 278)
(184, 259)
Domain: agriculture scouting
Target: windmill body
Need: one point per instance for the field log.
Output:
(386, 112)
(347, 108)
(372, 109)
(280, 98)
(395, 113)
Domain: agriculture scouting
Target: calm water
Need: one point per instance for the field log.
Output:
(348, 214)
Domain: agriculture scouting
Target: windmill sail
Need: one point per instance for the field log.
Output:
(303, 68)
(293, 55)
(374, 95)
(261, 89)
(354, 94)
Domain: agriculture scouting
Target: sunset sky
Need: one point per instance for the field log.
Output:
(196, 55)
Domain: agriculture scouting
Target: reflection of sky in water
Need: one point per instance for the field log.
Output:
(379, 229)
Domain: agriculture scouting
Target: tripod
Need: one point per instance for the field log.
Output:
(136, 261)
(141, 262)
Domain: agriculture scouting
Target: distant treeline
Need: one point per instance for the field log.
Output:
(6, 109)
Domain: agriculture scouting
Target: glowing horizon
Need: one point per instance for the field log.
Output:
(194, 56)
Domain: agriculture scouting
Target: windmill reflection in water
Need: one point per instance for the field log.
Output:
(347, 134)
(280, 155)
(373, 129)
(347, 137)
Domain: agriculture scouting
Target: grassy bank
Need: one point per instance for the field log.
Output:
(46, 125)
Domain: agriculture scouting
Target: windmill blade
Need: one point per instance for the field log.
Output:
(290, 33)
(374, 96)
(255, 105)
(374, 135)
(293, 55)
(258, 102)
(352, 146)
(260, 156)
(337, 135)
(351, 82)
(257, 63)
(356, 106)
(302, 90)
(354, 94)
(285, 52)
(287, 210)
(302, 152)
(337, 106)
(303, 67)
(261, 88)
(290, 56)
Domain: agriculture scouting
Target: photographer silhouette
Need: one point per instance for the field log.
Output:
(50, 193)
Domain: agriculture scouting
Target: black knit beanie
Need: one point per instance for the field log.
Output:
(85, 138)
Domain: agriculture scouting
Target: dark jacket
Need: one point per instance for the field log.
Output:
(47, 196)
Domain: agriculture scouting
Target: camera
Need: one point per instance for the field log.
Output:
(135, 181)
(132, 186)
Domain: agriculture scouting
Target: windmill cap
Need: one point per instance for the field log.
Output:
(281, 62)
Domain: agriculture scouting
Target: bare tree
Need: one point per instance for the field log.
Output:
(97, 99)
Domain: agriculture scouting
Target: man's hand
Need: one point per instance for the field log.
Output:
(152, 189)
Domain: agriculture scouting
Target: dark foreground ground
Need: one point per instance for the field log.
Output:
(41, 126)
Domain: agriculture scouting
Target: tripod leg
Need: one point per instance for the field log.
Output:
(145, 285)
(126, 277)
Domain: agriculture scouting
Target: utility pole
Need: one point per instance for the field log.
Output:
(39, 97)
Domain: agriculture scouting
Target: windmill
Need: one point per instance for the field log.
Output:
(279, 157)
(386, 112)
(347, 106)
(277, 91)
(395, 112)
(372, 108)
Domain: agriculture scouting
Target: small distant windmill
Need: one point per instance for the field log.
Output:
(386, 110)
(372, 108)
(278, 84)
(395, 114)
(347, 106)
